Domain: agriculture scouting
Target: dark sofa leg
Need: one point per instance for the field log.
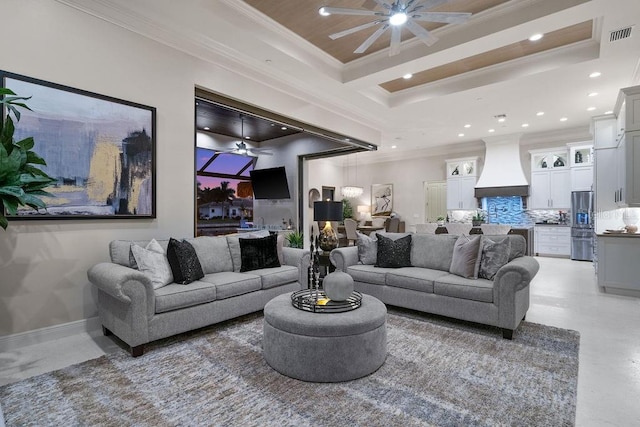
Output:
(106, 331)
(507, 334)
(137, 351)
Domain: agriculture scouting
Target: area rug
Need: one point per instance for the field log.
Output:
(437, 373)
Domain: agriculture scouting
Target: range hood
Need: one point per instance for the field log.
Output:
(502, 174)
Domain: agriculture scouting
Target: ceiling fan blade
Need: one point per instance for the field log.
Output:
(354, 29)
(428, 4)
(345, 11)
(383, 3)
(445, 17)
(261, 152)
(372, 38)
(421, 33)
(396, 38)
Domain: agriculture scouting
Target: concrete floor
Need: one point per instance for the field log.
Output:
(563, 294)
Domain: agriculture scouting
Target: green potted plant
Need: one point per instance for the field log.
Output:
(21, 183)
(440, 221)
(347, 209)
(478, 218)
(295, 239)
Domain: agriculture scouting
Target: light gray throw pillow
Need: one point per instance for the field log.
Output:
(494, 256)
(153, 262)
(367, 249)
(466, 257)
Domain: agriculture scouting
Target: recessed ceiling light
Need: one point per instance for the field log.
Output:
(591, 108)
(563, 119)
(322, 11)
(535, 37)
(283, 128)
(461, 134)
(608, 112)
(525, 125)
(540, 113)
(206, 128)
(347, 139)
(491, 130)
(502, 119)
(595, 74)
(247, 137)
(407, 76)
(593, 94)
(467, 126)
(394, 146)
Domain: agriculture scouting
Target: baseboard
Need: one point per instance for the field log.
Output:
(50, 333)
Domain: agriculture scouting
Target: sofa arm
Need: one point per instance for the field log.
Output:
(124, 284)
(298, 258)
(511, 291)
(518, 273)
(344, 257)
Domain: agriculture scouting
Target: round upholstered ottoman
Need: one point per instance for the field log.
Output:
(325, 347)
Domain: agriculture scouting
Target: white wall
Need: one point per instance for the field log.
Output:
(43, 264)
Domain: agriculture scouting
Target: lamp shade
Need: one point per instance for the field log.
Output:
(363, 209)
(327, 211)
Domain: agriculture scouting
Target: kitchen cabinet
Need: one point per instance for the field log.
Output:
(461, 182)
(581, 162)
(631, 157)
(618, 267)
(606, 182)
(621, 172)
(550, 179)
(629, 115)
(552, 240)
(603, 129)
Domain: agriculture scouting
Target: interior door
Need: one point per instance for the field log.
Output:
(435, 200)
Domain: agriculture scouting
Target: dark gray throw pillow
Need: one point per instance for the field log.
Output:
(494, 256)
(184, 262)
(394, 253)
(367, 249)
(261, 252)
(466, 257)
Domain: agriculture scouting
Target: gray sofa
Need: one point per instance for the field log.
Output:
(428, 286)
(131, 308)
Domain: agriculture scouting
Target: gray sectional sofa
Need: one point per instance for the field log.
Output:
(130, 307)
(428, 286)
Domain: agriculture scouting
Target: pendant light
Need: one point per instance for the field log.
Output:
(351, 191)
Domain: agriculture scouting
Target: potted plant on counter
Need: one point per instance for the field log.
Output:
(478, 218)
(21, 183)
(295, 239)
(440, 221)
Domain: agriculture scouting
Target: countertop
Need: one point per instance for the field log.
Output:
(625, 234)
(551, 224)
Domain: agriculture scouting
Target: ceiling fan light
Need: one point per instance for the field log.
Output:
(398, 18)
(322, 11)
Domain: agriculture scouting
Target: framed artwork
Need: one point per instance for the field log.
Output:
(100, 150)
(381, 199)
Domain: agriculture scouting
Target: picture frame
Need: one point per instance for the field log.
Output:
(100, 149)
(381, 199)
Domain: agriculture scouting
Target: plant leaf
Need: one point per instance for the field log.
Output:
(11, 204)
(6, 91)
(3, 222)
(34, 202)
(26, 144)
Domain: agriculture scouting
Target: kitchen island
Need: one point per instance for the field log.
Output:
(618, 266)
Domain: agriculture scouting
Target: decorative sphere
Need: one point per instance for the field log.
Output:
(338, 286)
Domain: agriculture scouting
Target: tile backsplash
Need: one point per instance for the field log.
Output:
(508, 210)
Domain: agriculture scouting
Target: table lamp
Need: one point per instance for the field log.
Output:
(327, 211)
(365, 212)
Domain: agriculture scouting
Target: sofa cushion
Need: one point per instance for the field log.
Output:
(454, 286)
(433, 251)
(393, 253)
(152, 261)
(367, 248)
(230, 284)
(465, 261)
(518, 244)
(494, 256)
(213, 253)
(175, 296)
(368, 274)
(184, 262)
(233, 240)
(257, 253)
(120, 251)
(414, 278)
(272, 277)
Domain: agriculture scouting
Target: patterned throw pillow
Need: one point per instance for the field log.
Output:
(259, 253)
(152, 261)
(367, 249)
(494, 256)
(466, 257)
(184, 262)
(394, 253)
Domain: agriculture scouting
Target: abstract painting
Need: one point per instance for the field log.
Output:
(100, 150)
(381, 199)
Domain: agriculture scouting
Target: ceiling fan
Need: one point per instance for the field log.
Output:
(242, 148)
(396, 15)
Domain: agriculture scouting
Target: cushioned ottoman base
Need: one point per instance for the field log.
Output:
(324, 355)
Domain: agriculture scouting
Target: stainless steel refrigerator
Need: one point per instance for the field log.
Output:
(582, 232)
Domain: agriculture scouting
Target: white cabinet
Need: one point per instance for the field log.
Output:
(552, 240)
(550, 179)
(631, 194)
(604, 132)
(606, 182)
(630, 109)
(550, 189)
(618, 267)
(461, 182)
(621, 172)
(582, 178)
(581, 161)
